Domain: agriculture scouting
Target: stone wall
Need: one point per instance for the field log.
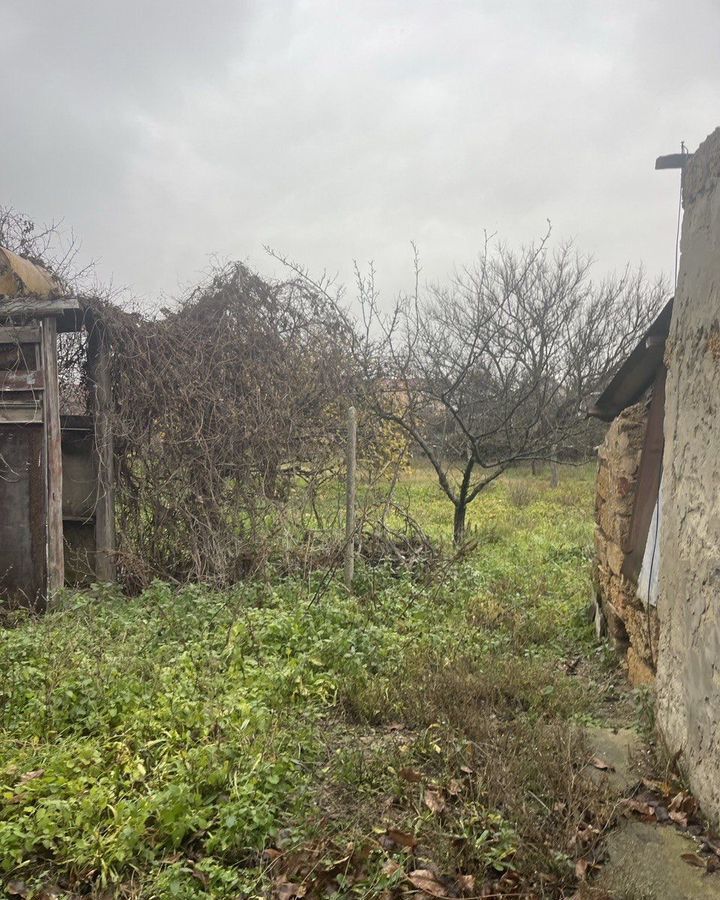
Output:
(688, 681)
(631, 626)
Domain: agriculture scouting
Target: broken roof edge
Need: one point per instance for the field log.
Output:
(638, 371)
(28, 290)
(21, 277)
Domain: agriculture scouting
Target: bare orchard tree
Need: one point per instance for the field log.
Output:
(496, 367)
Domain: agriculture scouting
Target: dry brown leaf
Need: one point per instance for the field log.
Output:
(29, 776)
(581, 868)
(640, 807)
(434, 801)
(466, 883)
(390, 867)
(662, 787)
(692, 859)
(17, 888)
(601, 764)
(455, 787)
(683, 803)
(428, 881)
(679, 818)
(401, 838)
(411, 775)
(466, 770)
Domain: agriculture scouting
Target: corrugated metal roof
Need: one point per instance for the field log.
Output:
(638, 371)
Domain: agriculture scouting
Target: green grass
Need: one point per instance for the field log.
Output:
(187, 743)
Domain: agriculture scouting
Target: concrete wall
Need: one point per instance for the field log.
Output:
(688, 678)
(631, 626)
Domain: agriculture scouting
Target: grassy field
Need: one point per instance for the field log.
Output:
(287, 739)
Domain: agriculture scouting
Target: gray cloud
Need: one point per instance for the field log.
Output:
(165, 131)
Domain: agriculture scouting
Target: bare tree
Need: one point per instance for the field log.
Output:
(496, 367)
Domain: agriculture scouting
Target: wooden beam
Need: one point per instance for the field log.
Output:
(20, 334)
(35, 307)
(55, 549)
(99, 372)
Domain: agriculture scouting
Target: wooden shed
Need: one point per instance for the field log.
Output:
(56, 472)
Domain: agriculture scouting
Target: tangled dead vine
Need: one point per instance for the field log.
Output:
(228, 423)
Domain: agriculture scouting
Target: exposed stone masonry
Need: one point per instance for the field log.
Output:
(631, 626)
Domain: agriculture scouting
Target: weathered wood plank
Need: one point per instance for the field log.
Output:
(22, 381)
(20, 334)
(56, 557)
(20, 415)
(35, 307)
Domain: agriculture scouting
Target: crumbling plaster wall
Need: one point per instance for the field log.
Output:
(688, 679)
(631, 626)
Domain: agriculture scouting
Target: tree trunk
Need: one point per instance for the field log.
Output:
(554, 469)
(459, 522)
(461, 504)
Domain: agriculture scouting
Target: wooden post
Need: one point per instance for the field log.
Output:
(350, 498)
(55, 549)
(99, 365)
(554, 468)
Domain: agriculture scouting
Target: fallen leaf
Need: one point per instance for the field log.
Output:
(411, 775)
(390, 867)
(684, 803)
(585, 834)
(455, 787)
(434, 801)
(271, 853)
(640, 807)
(395, 726)
(466, 770)
(428, 881)
(692, 859)
(679, 818)
(466, 883)
(29, 776)
(581, 868)
(17, 888)
(401, 838)
(601, 764)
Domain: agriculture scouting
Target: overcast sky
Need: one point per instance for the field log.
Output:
(165, 131)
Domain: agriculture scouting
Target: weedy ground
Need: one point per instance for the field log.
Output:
(419, 735)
